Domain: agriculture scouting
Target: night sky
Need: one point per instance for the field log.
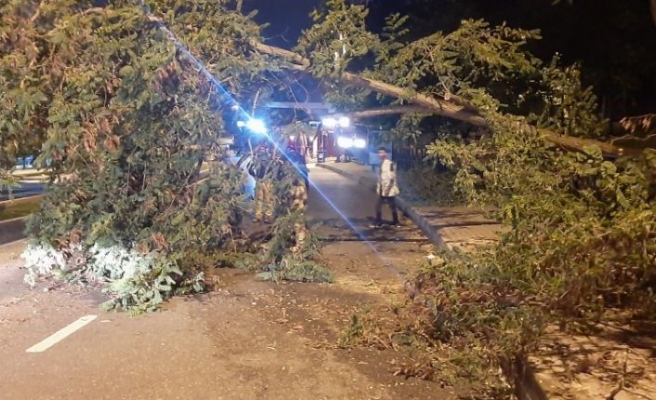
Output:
(613, 40)
(287, 18)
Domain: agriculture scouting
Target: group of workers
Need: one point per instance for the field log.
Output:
(287, 169)
(281, 187)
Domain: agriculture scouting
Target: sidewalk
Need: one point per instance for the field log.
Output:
(31, 175)
(452, 227)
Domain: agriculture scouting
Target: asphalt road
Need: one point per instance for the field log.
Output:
(25, 189)
(236, 343)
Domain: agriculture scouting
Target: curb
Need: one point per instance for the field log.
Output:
(21, 200)
(423, 224)
(519, 371)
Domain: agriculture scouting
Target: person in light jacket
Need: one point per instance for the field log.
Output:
(386, 189)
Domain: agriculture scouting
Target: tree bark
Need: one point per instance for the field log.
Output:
(443, 107)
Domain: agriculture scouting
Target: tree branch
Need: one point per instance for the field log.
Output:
(382, 111)
(443, 107)
(641, 123)
(437, 106)
(299, 62)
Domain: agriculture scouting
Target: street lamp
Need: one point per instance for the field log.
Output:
(344, 122)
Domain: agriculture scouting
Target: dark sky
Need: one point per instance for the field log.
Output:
(287, 18)
(613, 39)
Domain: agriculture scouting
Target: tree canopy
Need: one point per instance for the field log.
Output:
(611, 40)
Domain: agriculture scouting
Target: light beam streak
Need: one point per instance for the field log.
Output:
(210, 77)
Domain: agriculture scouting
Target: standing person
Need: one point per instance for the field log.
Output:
(259, 169)
(386, 189)
(299, 200)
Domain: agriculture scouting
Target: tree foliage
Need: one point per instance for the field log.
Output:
(129, 98)
(611, 40)
(581, 227)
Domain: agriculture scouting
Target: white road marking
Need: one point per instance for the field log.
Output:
(61, 334)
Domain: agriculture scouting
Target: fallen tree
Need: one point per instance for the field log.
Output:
(439, 106)
(630, 132)
(130, 107)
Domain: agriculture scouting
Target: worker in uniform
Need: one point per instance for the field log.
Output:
(298, 198)
(260, 168)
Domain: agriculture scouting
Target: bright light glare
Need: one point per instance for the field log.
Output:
(329, 122)
(359, 143)
(241, 124)
(344, 142)
(292, 138)
(256, 125)
(344, 122)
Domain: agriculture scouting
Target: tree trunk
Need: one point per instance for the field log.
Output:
(442, 107)
(437, 106)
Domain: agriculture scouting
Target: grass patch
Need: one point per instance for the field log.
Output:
(22, 209)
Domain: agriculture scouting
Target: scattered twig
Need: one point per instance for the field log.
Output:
(620, 386)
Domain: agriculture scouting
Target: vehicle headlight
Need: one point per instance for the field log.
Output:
(344, 142)
(329, 122)
(344, 122)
